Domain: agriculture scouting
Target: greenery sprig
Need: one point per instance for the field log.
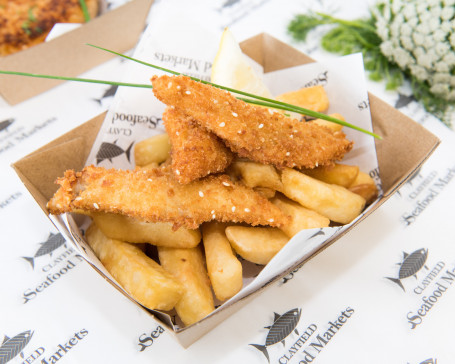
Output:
(411, 40)
(351, 36)
(250, 98)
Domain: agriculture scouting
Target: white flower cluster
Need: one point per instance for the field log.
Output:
(419, 36)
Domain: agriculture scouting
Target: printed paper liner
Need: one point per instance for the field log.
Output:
(136, 115)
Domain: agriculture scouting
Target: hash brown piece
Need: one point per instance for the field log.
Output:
(25, 23)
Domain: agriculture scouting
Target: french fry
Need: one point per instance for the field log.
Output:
(364, 186)
(125, 228)
(256, 244)
(331, 125)
(255, 174)
(224, 269)
(268, 193)
(145, 280)
(338, 174)
(152, 165)
(301, 217)
(188, 267)
(335, 202)
(154, 149)
(313, 98)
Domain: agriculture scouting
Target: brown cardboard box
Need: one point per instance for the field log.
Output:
(68, 55)
(405, 146)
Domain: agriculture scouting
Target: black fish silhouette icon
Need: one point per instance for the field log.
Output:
(410, 265)
(282, 326)
(404, 100)
(109, 92)
(5, 123)
(320, 232)
(13, 346)
(53, 242)
(415, 176)
(112, 150)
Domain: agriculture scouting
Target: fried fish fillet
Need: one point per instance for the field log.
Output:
(195, 152)
(24, 23)
(250, 131)
(155, 196)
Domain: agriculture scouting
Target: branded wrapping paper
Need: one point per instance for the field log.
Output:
(68, 55)
(396, 162)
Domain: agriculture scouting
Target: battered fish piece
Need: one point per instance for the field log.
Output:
(195, 152)
(24, 23)
(154, 196)
(250, 131)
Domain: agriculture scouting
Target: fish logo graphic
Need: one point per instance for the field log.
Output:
(13, 346)
(320, 232)
(282, 327)
(429, 361)
(416, 175)
(107, 93)
(404, 100)
(410, 265)
(229, 3)
(111, 150)
(5, 123)
(53, 242)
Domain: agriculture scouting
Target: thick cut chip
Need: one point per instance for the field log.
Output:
(335, 202)
(301, 217)
(257, 175)
(338, 174)
(329, 124)
(128, 229)
(224, 269)
(142, 277)
(152, 150)
(364, 186)
(256, 244)
(313, 98)
(188, 268)
(154, 196)
(195, 152)
(250, 131)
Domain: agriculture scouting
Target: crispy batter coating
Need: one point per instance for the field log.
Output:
(250, 131)
(195, 152)
(24, 23)
(154, 196)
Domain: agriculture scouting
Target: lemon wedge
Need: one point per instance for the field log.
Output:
(231, 68)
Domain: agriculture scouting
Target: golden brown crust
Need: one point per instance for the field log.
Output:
(154, 196)
(24, 23)
(250, 131)
(195, 152)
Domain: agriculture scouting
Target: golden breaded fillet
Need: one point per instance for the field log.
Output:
(24, 23)
(195, 152)
(154, 196)
(250, 131)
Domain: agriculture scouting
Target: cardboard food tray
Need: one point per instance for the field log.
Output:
(67, 55)
(404, 148)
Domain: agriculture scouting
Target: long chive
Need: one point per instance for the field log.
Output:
(85, 10)
(87, 80)
(263, 101)
(257, 100)
(314, 114)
